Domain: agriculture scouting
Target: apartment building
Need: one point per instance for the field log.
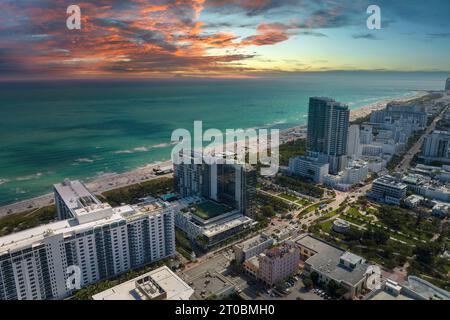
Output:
(278, 263)
(100, 242)
(70, 196)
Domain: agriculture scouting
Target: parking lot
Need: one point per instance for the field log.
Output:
(297, 291)
(215, 276)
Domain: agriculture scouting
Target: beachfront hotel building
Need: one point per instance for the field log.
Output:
(99, 241)
(71, 196)
(328, 123)
(231, 184)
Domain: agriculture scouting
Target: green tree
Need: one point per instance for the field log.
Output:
(314, 277)
(267, 211)
(308, 283)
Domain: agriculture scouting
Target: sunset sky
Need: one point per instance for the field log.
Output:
(219, 38)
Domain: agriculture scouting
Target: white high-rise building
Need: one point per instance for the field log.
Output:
(100, 242)
(70, 196)
(437, 145)
(213, 178)
(366, 134)
(354, 148)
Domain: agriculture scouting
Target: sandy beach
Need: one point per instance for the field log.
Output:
(145, 173)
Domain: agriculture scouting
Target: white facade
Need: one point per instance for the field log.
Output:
(309, 167)
(355, 173)
(437, 145)
(366, 134)
(388, 190)
(372, 150)
(70, 196)
(34, 264)
(354, 148)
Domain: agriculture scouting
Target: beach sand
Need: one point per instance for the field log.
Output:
(111, 181)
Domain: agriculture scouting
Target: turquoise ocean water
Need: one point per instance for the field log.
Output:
(52, 130)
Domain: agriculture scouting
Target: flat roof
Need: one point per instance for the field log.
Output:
(383, 295)
(314, 244)
(253, 242)
(327, 260)
(329, 264)
(75, 194)
(35, 236)
(174, 286)
(225, 224)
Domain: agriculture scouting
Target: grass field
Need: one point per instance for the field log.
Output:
(208, 210)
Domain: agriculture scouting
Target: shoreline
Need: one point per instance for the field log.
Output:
(107, 182)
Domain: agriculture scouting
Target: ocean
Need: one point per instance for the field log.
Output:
(52, 130)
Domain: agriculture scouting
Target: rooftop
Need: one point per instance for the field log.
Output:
(390, 182)
(329, 264)
(210, 209)
(328, 260)
(226, 224)
(157, 284)
(87, 220)
(75, 194)
(253, 242)
(314, 244)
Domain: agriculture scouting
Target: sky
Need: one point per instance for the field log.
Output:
(219, 38)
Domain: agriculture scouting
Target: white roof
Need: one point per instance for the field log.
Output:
(34, 236)
(173, 285)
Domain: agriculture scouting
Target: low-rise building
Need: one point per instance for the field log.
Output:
(333, 263)
(278, 263)
(252, 247)
(414, 289)
(441, 209)
(413, 201)
(209, 223)
(388, 190)
(427, 187)
(310, 167)
(158, 284)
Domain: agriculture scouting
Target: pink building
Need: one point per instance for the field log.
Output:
(278, 263)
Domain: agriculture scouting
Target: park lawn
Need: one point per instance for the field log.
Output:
(304, 202)
(352, 219)
(288, 197)
(326, 226)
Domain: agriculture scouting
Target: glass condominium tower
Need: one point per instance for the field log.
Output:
(328, 123)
